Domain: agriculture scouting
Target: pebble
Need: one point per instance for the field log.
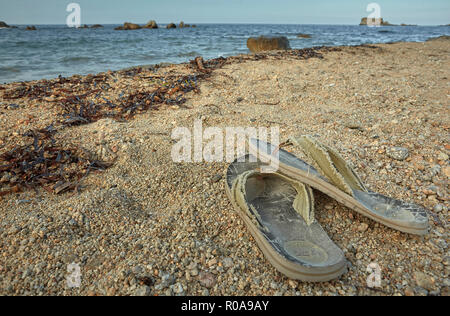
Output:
(207, 279)
(143, 291)
(424, 280)
(397, 153)
(363, 227)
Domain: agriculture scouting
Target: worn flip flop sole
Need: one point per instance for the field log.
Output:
(296, 250)
(369, 204)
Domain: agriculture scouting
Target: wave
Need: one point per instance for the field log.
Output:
(75, 59)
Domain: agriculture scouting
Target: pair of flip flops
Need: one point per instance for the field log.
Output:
(278, 207)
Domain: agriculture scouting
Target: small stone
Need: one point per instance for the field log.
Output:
(212, 262)
(446, 171)
(363, 227)
(227, 263)
(397, 153)
(442, 156)
(424, 280)
(207, 279)
(178, 288)
(143, 291)
(216, 178)
(329, 206)
(409, 291)
(438, 208)
(137, 270)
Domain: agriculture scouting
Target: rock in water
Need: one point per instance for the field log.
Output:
(181, 25)
(3, 24)
(128, 26)
(301, 35)
(378, 21)
(96, 26)
(131, 26)
(171, 26)
(267, 43)
(31, 28)
(151, 25)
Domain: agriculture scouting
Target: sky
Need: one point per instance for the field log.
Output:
(34, 12)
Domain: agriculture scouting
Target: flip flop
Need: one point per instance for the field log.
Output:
(279, 213)
(338, 180)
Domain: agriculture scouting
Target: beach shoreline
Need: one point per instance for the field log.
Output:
(141, 224)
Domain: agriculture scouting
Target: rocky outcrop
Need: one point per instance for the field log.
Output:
(267, 43)
(171, 26)
(151, 25)
(3, 24)
(31, 28)
(96, 26)
(301, 35)
(182, 25)
(379, 21)
(129, 26)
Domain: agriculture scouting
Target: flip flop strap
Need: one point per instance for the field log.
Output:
(303, 203)
(330, 163)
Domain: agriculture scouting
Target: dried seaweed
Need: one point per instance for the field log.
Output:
(44, 163)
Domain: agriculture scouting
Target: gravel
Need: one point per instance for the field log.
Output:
(149, 226)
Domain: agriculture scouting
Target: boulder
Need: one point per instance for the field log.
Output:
(128, 26)
(267, 43)
(31, 28)
(85, 26)
(151, 25)
(181, 25)
(3, 24)
(131, 26)
(171, 26)
(301, 35)
(96, 26)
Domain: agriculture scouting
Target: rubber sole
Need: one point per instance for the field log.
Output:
(286, 267)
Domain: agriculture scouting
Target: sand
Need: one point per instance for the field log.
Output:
(149, 226)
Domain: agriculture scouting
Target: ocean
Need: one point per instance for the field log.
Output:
(55, 50)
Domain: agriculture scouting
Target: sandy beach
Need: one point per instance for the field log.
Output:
(138, 223)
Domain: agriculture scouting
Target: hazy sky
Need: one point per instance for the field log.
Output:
(431, 12)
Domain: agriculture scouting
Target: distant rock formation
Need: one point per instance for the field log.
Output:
(303, 35)
(96, 26)
(171, 26)
(403, 24)
(263, 43)
(31, 28)
(3, 24)
(85, 26)
(379, 21)
(128, 26)
(182, 25)
(151, 25)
